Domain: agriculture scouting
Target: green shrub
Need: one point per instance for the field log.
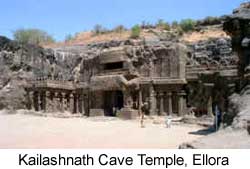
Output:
(99, 29)
(119, 29)
(32, 36)
(147, 25)
(187, 25)
(163, 25)
(135, 32)
(210, 20)
(68, 38)
(175, 25)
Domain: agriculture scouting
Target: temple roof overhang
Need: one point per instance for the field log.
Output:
(112, 82)
(109, 82)
(55, 84)
(193, 73)
(115, 54)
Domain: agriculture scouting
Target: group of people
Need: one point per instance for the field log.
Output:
(168, 119)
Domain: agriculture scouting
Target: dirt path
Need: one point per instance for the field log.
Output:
(27, 131)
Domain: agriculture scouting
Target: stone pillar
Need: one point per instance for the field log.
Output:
(47, 96)
(209, 89)
(170, 108)
(41, 100)
(61, 101)
(67, 104)
(81, 104)
(210, 106)
(152, 100)
(52, 101)
(43, 94)
(71, 103)
(140, 102)
(56, 102)
(36, 101)
(29, 101)
(86, 103)
(162, 103)
(181, 103)
(75, 104)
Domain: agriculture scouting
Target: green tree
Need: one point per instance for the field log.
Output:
(187, 25)
(32, 36)
(135, 32)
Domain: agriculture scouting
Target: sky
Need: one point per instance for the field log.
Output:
(62, 17)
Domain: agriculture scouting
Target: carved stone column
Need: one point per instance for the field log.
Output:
(67, 104)
(52, 102)
(81, 104)
(43, 101)
(152, 100)
(181, 103)
(61, 101)
(209, 89)
(162, 103)
(56, 102)
(139, 102)
(29, 100)
(36, 101)
(75, 105)
(170, 108)
(210, 106)
(86, 104)
(71, 103)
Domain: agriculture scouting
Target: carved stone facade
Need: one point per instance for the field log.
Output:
(168, 77)
(49, 95)
(120, 81)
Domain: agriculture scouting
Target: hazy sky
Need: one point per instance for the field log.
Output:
(61, 17)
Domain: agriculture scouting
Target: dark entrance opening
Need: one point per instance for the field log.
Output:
(113, 101)
(112, 66)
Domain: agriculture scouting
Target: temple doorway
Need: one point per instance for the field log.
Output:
(113, 101)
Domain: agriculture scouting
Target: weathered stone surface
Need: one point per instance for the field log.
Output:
(224, 139)
(212, 53)
(238, 114)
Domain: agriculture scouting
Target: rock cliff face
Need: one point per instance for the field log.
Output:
(20, 62)
(212, 52)
(237, 26)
